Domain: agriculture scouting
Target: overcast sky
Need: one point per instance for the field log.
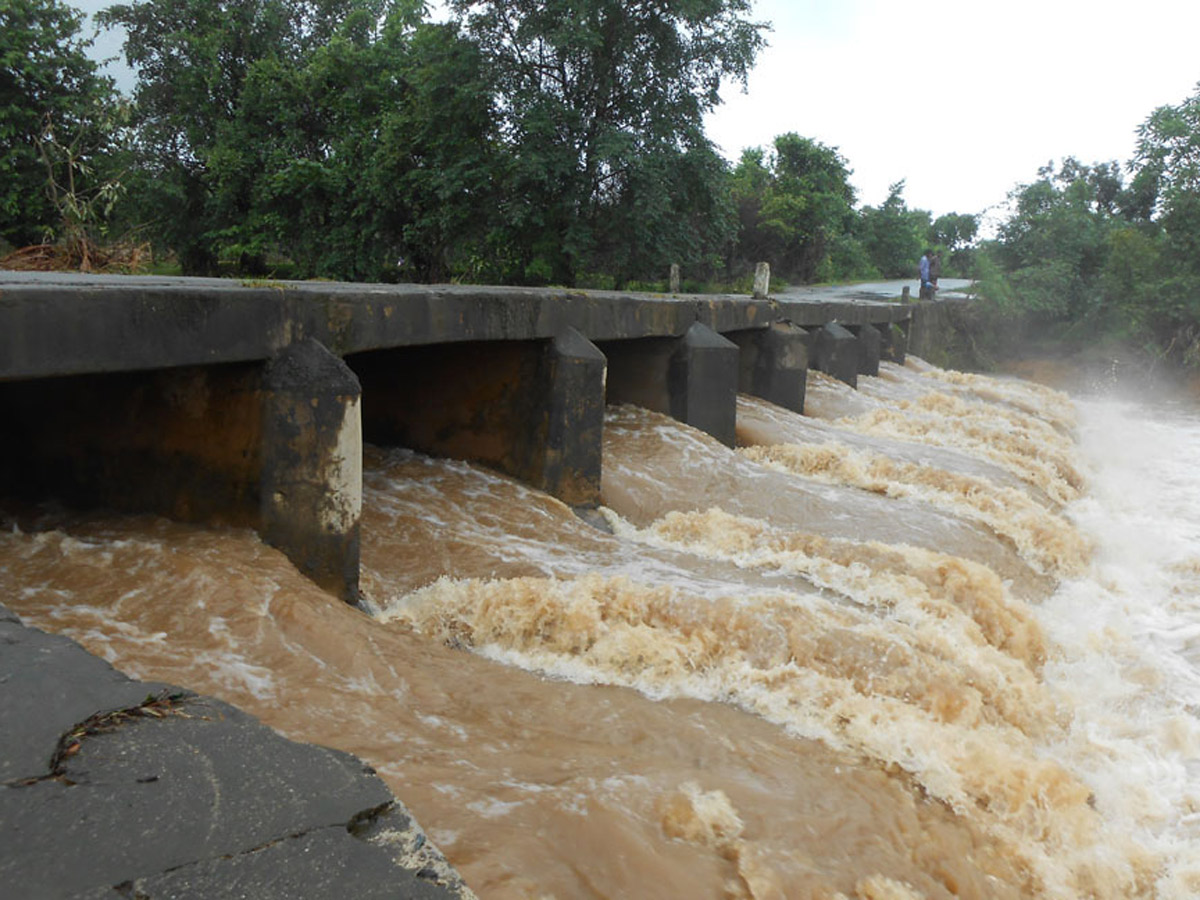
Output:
(962, 99)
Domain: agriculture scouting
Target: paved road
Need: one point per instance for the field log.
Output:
(870, 290)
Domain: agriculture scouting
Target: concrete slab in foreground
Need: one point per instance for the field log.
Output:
(111, 787)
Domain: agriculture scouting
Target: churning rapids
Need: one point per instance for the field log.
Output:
(939, 637)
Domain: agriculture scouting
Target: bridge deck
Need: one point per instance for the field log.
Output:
(64, 324)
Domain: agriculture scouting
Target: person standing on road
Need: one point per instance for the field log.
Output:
(925, 266)
(935, 269)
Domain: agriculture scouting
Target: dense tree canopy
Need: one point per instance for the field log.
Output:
(535, 141)
(603, 103)
(893, 235)
(1105, 257)
(235, 98)
(49, 91)
(794, 202)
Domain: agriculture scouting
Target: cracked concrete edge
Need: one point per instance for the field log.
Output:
(317, 864)
(394, 829)
(263, 871)
(415, 866)
(164, 702)
(48, 686)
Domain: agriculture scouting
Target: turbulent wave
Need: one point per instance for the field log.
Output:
(914, 644)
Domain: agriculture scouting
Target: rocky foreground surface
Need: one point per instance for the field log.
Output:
(111, 787)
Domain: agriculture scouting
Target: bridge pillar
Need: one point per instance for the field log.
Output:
(311, 448)
(869, 343)
(773, 363)
(703, 379)
(836, 353)
(564, 450)
(895, 341)
(693, 378)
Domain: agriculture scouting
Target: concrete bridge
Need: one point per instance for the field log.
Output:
(248, 402)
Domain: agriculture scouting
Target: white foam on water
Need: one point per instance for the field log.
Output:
(1128, 633)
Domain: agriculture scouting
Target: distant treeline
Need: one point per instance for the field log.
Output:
(1105, 256)
(521, 141)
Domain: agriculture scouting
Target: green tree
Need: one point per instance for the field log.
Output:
(894, 235)
(597, 98)
(370, 157)
(1055, 244)
(50, 94)
(1085, 254)
(1167, 174)
(954, 231)
(194, 59)
(795, 207)
(748, 186)
(1168, 151)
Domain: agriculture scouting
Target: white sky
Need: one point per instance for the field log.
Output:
(962, 99)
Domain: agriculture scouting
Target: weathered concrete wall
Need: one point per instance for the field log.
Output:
(464, 401)
(532, 409)
(64, 324)
(182, 442)
(941, 332)
(808, 314)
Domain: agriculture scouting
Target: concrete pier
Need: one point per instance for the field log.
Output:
(565, 449)
(836, 352)
(311, 496)
(773, 364)
(894, 346)
(703, 380)
(869, 343)
(693, 378)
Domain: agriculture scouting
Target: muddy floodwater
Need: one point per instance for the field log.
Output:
(939, 637)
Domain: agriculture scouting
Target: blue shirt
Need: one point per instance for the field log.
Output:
(924, 270)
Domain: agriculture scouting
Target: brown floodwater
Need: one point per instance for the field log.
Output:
(808, 667)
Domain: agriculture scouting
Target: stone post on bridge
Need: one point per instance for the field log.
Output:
(311, 502)
(762, 281)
